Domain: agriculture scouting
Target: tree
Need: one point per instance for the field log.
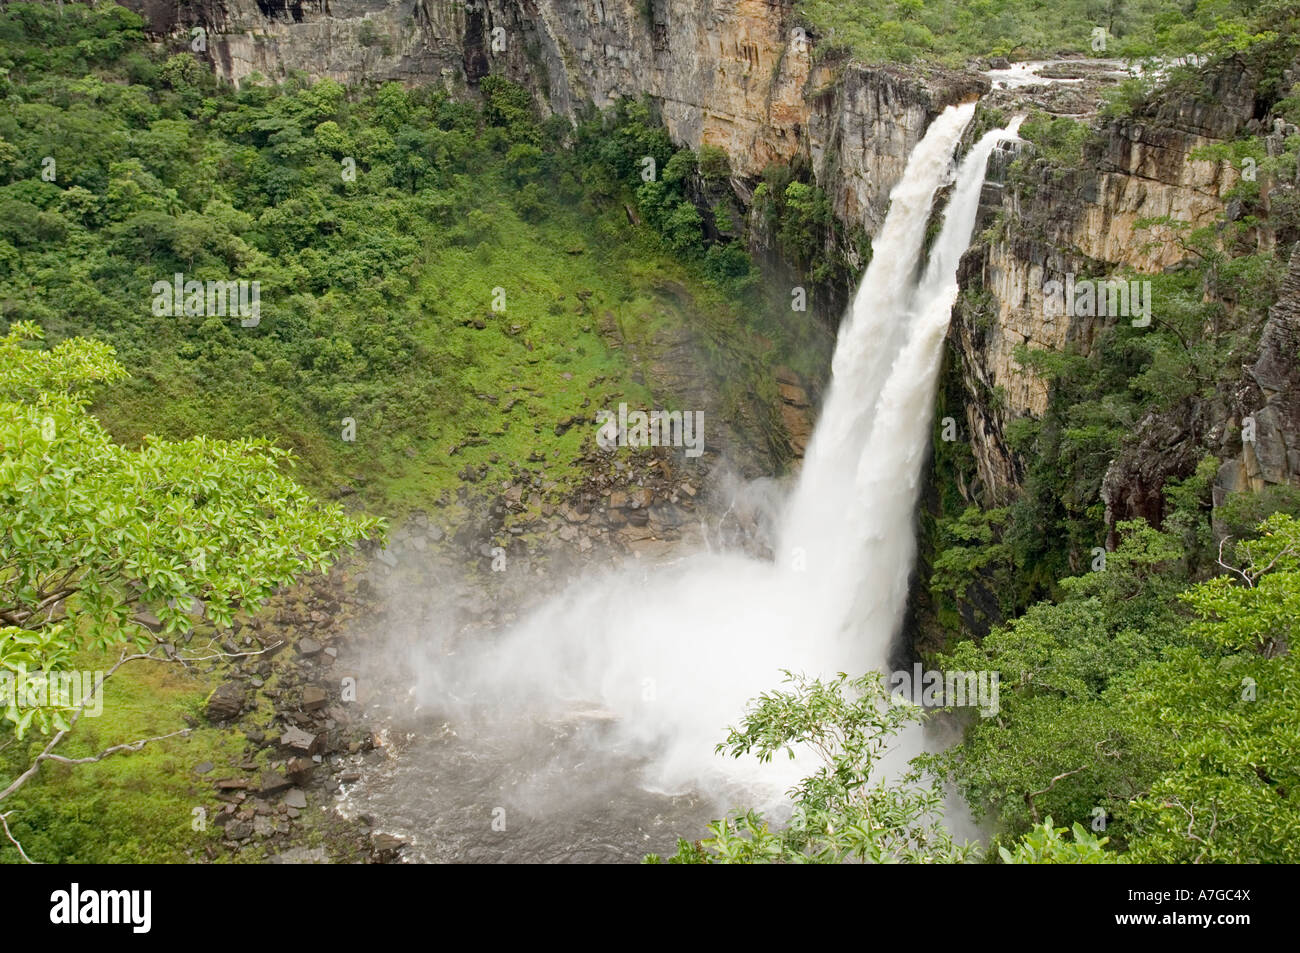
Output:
(1062, 744)
(102, 546)
(841, 812)
(1232, 795)
(1178, 734)
(1255, 606)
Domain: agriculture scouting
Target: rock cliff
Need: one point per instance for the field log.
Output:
(736, 74)
(741, 75)
(1086, 221)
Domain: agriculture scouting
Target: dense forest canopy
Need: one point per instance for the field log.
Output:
(949, 31)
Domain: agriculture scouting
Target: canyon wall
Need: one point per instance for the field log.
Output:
(1087, 221)
(736, 74)
(741, 75)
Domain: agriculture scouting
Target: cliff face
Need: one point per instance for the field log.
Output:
(736, 74)
(739, 75)
(1270, 452)
(1081, 224)
(1085, 222)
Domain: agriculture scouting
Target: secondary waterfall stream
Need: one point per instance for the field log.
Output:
(593, 721)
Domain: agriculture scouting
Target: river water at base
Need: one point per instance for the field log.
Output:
(545, 793)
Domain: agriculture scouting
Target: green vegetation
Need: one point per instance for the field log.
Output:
(101, 546)
(461, 283)
(1057, 139)
(951, 31)
(133, 807)
(798, 215)
(379, 225)
(1159, 711)
(1211, 307)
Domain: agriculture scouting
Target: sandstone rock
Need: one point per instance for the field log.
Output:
(301, 855)
(149, 621)
(314, 698)
(226, 702)
(301, 741)
(299, 770)
(239, 830)
(386, 846)
(273, 783)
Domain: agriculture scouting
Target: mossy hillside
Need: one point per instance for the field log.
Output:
(376, 290)
(134, 807)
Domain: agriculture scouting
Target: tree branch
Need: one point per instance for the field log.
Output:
(1233, 569)
(1030, 795)
(4, 820)
(48, 755)
(127, 746)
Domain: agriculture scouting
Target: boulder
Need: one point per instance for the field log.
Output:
(301, 741)
(226, 702)
(273, 783)
(299, 769)
(313, 698)
(239, 830)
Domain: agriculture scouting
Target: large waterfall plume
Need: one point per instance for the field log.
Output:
(670, 655)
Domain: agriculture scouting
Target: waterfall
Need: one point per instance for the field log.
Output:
(851, 517)
(670, 656)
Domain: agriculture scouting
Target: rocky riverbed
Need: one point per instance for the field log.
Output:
(317, 681)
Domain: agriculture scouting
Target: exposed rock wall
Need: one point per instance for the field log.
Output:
(735, 74)
(1084, 221)
(1270, 431)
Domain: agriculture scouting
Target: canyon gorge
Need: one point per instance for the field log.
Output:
(905, 452)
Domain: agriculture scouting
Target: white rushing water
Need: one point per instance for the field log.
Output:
(671, 655)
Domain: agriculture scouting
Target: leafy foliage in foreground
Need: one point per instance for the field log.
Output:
(1174, 728)
(841, 813)
(1046, 844)
(93, 535)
